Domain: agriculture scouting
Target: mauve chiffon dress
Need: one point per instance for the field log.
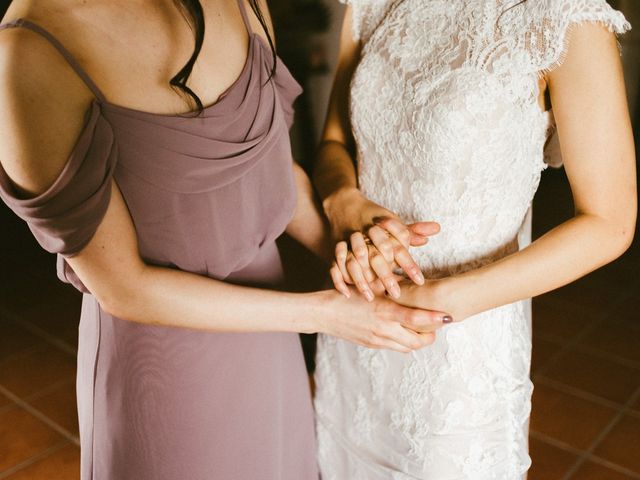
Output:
(209, 195)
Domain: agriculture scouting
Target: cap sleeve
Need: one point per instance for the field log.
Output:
(562, 15)
(65, 217)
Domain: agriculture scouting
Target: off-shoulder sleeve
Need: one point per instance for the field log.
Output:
(65, 217)
(561, 15)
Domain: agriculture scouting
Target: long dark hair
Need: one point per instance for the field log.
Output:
(193, 13)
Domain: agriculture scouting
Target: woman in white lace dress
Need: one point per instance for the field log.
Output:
(444, 107)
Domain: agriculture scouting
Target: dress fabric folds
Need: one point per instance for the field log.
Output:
(208, 194)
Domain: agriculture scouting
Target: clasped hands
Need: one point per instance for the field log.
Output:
(367, 263)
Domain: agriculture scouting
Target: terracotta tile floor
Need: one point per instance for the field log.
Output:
(586, 364)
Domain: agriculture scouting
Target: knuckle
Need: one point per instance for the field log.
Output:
(360, 252)
(388, 279)
(386, 247)
(375, 231)
(404, 234)
(371, 339)
(375, 255)
(352, 263)
(416, 319)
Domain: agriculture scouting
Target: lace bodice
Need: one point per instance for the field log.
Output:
(448, 127)
(445, 112)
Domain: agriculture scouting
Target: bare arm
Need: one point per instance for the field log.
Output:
(350, 214)
(588, 99)
(41, 92)
(309, 225)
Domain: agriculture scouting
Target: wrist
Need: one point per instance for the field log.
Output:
(343, 208)
(340, 198)
(455, 295)
(318, 307)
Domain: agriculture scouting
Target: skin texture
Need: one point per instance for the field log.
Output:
(44, 107)
(588, 97)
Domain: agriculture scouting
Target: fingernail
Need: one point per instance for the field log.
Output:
(447, 319)
(368, 295)
(347, 294)
(395, 291)
(420, 277)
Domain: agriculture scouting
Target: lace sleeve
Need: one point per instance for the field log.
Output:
(561, 15)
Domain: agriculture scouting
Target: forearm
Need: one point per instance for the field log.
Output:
(334, 169)
(309, 226)
(563, 255)
(162, 296)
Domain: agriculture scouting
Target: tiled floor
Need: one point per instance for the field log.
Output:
(586, 364)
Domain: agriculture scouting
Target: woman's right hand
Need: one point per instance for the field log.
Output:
(371, 242)
(381, 324)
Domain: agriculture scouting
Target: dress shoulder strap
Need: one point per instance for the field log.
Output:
(245, 16)
(22, 23)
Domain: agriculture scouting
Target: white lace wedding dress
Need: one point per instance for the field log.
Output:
(445, 113)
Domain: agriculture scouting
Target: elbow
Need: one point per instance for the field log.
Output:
(624, 232)
(119, 298)
(628, 236)
(112, 303)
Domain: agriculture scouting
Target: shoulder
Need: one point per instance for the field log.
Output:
(542, 28)
(42, 109)
(566, 12)
(554, 16)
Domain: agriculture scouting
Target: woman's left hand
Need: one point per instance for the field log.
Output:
(368, 260)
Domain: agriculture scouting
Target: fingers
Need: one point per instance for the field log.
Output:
(382, 242)
(356, 273)
(338, 280)
(384, 273)
(360, 249)
(393, 336)
(423, 321)
(424, 229)
(403, 234)
(427, 338)
(396, 228)
(405, 262)
(342, 251)
(350, 270)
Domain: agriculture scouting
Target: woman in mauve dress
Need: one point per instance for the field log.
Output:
(167, 222)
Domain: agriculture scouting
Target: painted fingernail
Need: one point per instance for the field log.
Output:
(447, 319)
